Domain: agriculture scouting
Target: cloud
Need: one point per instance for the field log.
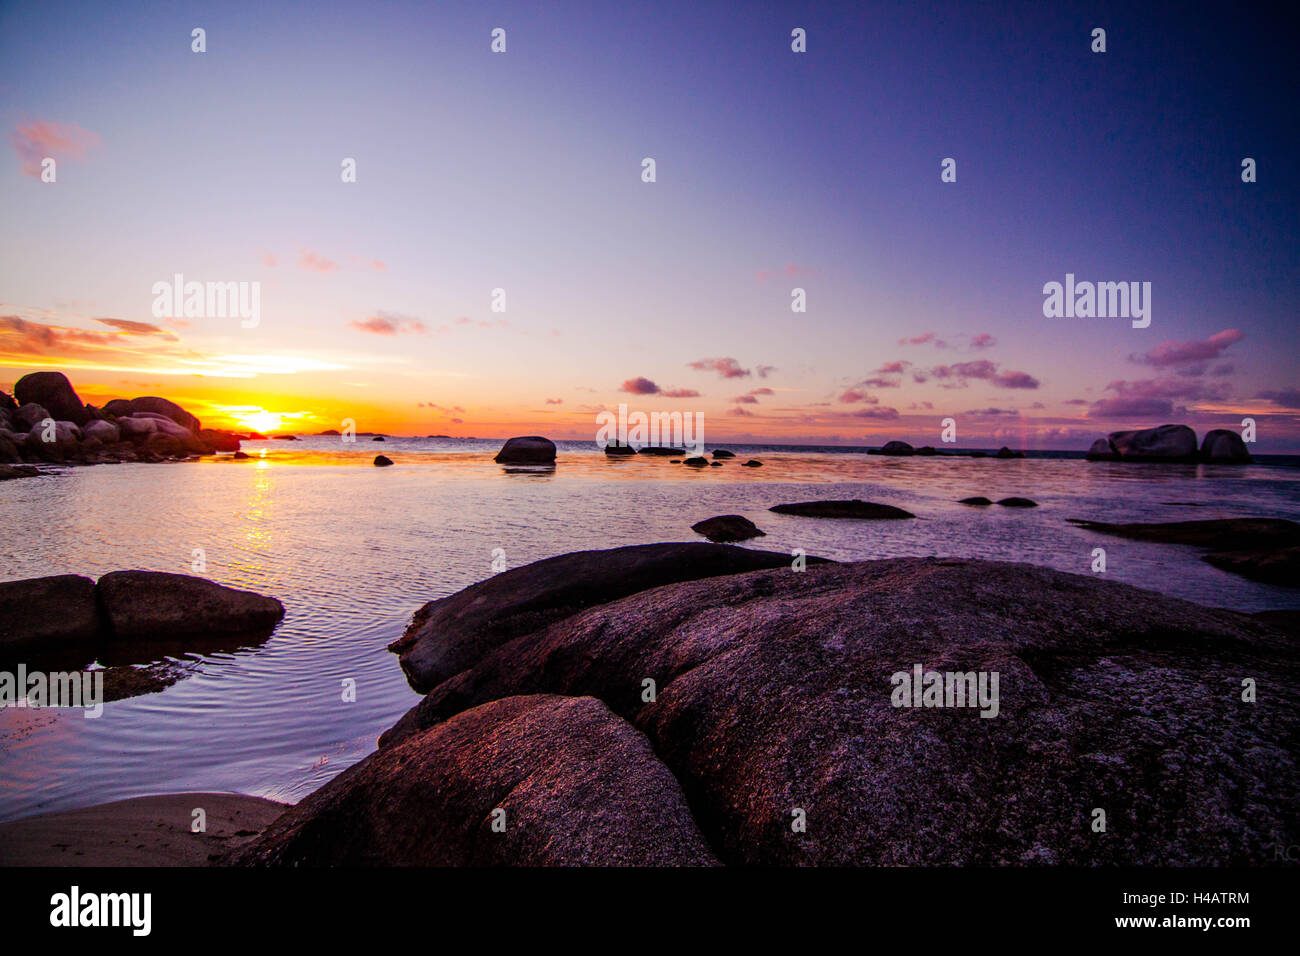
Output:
(679, 393)
(922, 339)
(1286, 397)
(852, 395)
(639, 386)
(368, 263)
(1183, 353)
(921, 406)
(725, 367)
(555, 401)
(983, 370)
(751, 397)
(136, 328)
(314, 262)
(992, 412)
(894, 368)
(388, 323)
(59, 141)
(1156, 396)
(880, 412)
(983, 341)
(765, 370)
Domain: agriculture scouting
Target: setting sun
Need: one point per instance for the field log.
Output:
(261, 421)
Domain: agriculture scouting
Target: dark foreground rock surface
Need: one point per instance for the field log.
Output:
(528, 450)
(774, 696)
(566, 781)
(449, 634)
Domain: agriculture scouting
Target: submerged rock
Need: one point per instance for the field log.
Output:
(725, 528)
(452, 633)
(1014, 502)
(527, 450)
(780, 690)
(841, 509)
(616, 450)
(565, 781)
(752, 463)
(978, 500)
(1268, 565)
(660, 450)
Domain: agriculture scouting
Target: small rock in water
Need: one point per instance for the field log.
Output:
(841, 509)
(752, 463)
(723, 453)
(696, 462)
(977, 500)
(1018, 503)
(382, 460)
(725, 528)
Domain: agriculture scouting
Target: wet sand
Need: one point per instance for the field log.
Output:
(142, 831)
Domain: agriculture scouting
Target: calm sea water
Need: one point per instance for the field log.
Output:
(352, 550)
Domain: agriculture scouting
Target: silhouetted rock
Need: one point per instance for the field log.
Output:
(841, 509)
(1224, 447)
(450, 634)
(776, 692)
(1101, 451)
(895, 448)
(926, 451)
(379, 438)
(978, 500)
(9, 472)
(154, 605)
(723, 453)
(1018, 503)
(1163, 443)
(726, 528)
(30, 415)
(662, 451)
(51, 618)
(1005, 452)
(105, 431)
(696, 462)
(382, 460)
(219, 440)
(752, 463)
(616, 450)
(53, 391)
(527, 450)
(239, 455)
(570, 783)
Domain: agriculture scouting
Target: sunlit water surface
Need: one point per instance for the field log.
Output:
(352, 550)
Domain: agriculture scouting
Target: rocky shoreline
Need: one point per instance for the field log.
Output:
(662, 717)
(45, 421)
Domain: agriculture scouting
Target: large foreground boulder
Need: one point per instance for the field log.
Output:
(781, 699)
(155, 605)
(453, 633)
(53, 391)
(564, 781)
(1163, 443)
(528, 450)
(47, 618)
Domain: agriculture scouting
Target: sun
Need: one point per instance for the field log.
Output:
(261, 422)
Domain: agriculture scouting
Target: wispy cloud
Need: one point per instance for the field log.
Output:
(34, 141)
(388, 323)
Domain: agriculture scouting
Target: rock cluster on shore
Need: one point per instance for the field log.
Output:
(700, 720)
(69, 621)
(45, 421)
(1170, 443)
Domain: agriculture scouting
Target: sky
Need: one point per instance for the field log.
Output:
(775, 170)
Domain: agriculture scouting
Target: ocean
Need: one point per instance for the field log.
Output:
(353, 550)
